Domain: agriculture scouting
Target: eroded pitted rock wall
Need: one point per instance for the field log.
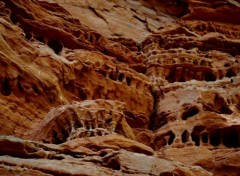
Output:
(44, 78)
(96, 86)
(194, 68)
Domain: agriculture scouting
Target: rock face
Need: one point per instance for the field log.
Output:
(110, 87)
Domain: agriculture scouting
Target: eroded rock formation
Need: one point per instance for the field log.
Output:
(85, 119)
(121, 87)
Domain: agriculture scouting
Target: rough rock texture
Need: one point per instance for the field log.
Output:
(120, 87)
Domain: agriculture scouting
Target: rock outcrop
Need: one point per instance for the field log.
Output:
(121, 87)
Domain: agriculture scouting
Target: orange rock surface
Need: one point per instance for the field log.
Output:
(126, 87)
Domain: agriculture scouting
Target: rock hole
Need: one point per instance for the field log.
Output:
(171, 138)
(105, 51)
(205, 138)
(5, 87)
(210, 77)
(225, 110)
(46, 141)
(109, 120)
(19, 85)
(185, 136)
(120, 77)
(112, 76)
(28, 35)
(195, 62)
(92, 134)
(87, 126)
(103, 153)
(40, 39)
(56, 46)
(50, 100)
(196, 133)
(230, 73)
(56, 140)
(154, 52)
(102, 72)
(85, 36)
(82, 94)
(69, 86)
(170, 78)
(192, 111)
(167, 174)
(215, 138)
(226, 65)
(196, 139)
(99, 133)
(181, 79)
(90, 38)
(65, 135)
(77, 124)
(14, 18)
(231, 137)
(128, 80)
(36, 90)
(114, 164)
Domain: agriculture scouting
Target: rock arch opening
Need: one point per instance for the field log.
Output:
(231, 137)
(192, 111)
(56, 46)
(215, 139)
(171, 138)
(185, 136)
(5, 87)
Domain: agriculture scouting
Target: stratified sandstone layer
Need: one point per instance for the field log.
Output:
(127, 87)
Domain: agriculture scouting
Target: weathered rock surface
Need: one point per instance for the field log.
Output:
(127, 87)
(30, 158)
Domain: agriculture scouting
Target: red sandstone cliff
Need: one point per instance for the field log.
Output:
(120, 87)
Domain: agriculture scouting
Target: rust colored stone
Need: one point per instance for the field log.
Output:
(127, 87)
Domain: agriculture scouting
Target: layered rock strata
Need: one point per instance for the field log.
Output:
(119, 87)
